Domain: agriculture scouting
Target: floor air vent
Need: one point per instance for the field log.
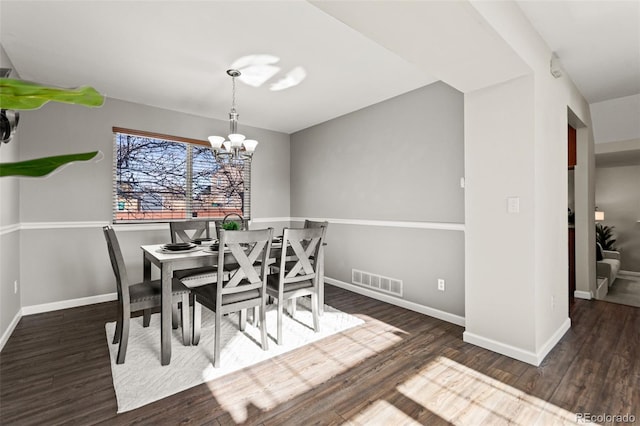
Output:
(376, 282)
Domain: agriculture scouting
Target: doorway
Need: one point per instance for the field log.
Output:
(572, 156)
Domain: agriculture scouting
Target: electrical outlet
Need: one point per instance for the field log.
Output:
(440, 284)
(513, 204)
(15, 287)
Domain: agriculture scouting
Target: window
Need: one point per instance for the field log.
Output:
(159, 178)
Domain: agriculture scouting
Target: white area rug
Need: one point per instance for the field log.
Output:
(142, 380)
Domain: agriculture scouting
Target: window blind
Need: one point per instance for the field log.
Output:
(160, 178)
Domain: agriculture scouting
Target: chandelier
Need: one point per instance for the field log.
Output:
(236, 146)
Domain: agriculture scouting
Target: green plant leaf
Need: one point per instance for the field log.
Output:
(605, 236)
(42, 166)
(231, 226)
(25, 95)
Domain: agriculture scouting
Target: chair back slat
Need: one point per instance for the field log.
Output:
(249, 250)
(246, 262)
(303, 256)
(297, 262)
(189, 230)
(117, 262)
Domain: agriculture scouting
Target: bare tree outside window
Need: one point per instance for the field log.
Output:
(162, 180)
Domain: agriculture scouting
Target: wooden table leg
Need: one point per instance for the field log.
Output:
(146, 268)
(165, 338)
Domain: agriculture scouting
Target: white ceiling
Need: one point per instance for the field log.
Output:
(174, 54)
(598, 43)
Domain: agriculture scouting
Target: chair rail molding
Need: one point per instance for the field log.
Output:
(61, 225)
(7, 229)
(446, 226)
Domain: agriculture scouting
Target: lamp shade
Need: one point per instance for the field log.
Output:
(599, 215)
(250, 145)
(236, 140)
(216, 141)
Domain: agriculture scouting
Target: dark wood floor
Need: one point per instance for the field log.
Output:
(400, 367)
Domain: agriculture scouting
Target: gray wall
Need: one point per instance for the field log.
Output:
(399, 160)
(617, 194)
(9, 235)
(62, 249)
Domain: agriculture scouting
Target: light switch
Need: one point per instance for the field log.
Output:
(513, 204)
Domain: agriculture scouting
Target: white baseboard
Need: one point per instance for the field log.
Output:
(12, 326)
(502, 348)
(65, 304)
(632, 273)
(436, 313)
(533, 358)
(553, 340)
(579, 294)
(602, 288)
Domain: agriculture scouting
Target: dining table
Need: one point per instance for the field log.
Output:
(200, 256)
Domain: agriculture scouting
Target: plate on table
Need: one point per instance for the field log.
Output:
(204, 241)
(213, 247)
(191, 250)
(179, 248)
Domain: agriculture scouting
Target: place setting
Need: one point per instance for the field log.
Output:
(175, 248)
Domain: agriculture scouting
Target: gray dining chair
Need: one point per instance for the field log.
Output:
(239, 287)
(297, 274)
(186, 232)
(189, 230)
(142, 296)
(325, 225)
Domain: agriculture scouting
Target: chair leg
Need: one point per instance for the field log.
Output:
(186, 330)
(243, 320)
(263, 324)
(315, 307)
(253, 318)
(124, 339)
(146, 317)
(293, 303)
(118, 334)
(280, 308)
(175, 319)
(218, 336)
(197, 321)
